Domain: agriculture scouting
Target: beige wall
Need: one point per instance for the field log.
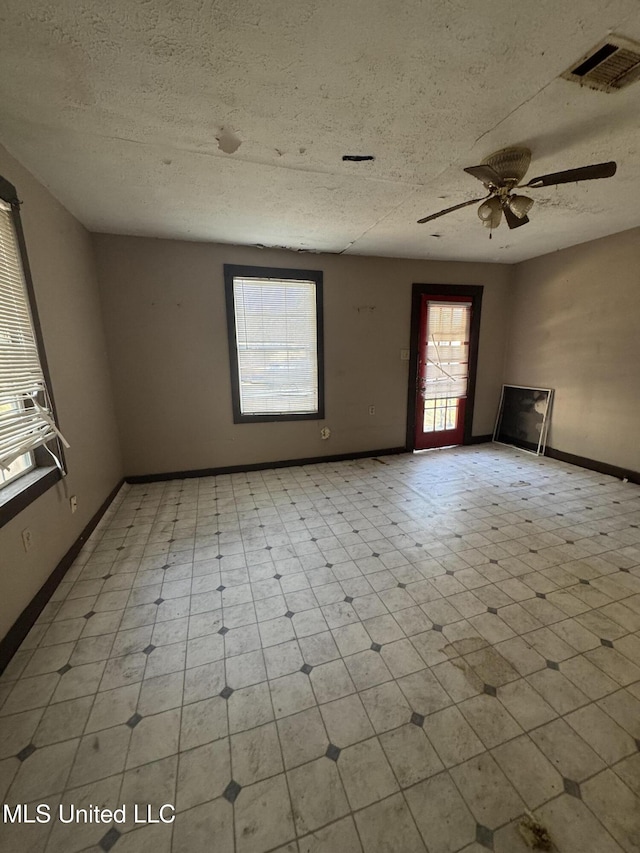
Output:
(164, 312)
(575, 328)
(61, 259)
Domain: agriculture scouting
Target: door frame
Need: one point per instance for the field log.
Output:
(474, 293)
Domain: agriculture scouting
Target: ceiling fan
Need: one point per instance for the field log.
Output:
(501, 174)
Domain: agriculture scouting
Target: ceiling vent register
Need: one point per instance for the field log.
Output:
(611, 65)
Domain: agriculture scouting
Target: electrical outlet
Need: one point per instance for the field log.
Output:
(325, 433)
(73, 503)
(372, 410)
(27, 539)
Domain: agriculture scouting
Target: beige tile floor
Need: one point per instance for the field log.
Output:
(402, 654)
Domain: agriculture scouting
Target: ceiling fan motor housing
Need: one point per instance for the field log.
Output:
(510, 163)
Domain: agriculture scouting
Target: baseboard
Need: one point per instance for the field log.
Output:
(10, 644)
(480, 439)
(593, 465)
(261, 466)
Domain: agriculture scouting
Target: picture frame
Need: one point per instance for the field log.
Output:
(523, 417)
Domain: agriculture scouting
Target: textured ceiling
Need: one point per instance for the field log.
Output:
(226, 120)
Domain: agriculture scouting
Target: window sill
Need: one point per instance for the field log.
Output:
(289, 416)
(17, 495)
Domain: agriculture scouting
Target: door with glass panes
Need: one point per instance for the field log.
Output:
(443, 370)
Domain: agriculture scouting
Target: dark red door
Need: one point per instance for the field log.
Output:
(443, 370)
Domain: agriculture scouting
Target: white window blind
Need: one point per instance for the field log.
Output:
(276, 339)
(447, 351)
(26, 417)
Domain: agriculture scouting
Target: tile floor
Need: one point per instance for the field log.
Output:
(399, 654)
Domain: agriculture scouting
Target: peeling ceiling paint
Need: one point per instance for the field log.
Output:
(227, 120)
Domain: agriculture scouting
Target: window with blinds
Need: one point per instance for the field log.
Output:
(275, 343)
(26, 414)
(447, 355)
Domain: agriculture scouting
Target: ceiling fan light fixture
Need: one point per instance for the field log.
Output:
(520, 205)
(490, 212)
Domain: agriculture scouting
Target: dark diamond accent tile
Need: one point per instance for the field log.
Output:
(626, 571)
(418, 544)
(333, 752)
(25, 752)
(532, 551)
(219, 557)
(149, 649)
(540, 595)
(375, 554)
(64, 669)
(585, 582)
(133, 721)
(402, 586)
(268, 548)
(313, 539)
(165, 567)
(484, 836)
(437, 628)
(495, 528)
(220, 588)
(494, 562)
(492, 610)
(289, 614)
(568, 541)
(90, 614)
(277, 577)
(231, 792)
(106, 577)
(375, 647)
(551, 664)
(348, 599)
(226, 692)
(224, 630)
(572, 788)
(158, 601)
(328, 565)
(448, 572)
(607, 643)
(490, 690)
(457, 535)
(306, 668)
(356, 531)
(417, 719)
(109, 838)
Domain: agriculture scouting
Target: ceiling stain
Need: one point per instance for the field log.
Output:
(228, 140)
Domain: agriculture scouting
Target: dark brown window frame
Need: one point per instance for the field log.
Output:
(19, 493)
(474, 292)
(232, 271)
